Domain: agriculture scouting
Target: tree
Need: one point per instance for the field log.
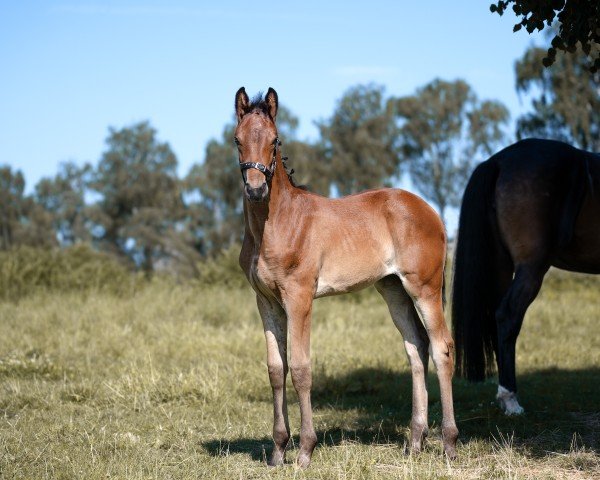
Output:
(63, 197)
(216, 185)
(12, 205)
(443, 129)
(22, 221)
(360, 140)
(565, 99)
(309, 164)
(141, 202)
(35, 227)
(578, 24)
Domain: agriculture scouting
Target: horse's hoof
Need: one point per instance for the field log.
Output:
(508, 402)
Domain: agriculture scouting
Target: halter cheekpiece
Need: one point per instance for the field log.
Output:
(267, 172)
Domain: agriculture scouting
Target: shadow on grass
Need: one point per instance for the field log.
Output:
(255, 448)
(259, 449)
(562, 411)
(560, 405)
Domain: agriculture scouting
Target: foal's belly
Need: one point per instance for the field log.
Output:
(343, 273)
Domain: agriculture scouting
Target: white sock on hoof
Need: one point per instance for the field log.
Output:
(508, 402)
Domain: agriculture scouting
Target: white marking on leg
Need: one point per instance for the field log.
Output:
(508, 402)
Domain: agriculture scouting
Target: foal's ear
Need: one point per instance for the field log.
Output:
(241, 103)
(272, 102)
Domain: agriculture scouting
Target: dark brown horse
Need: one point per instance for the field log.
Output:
(299, 246)
(533, 205)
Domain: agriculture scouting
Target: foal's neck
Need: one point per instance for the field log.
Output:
(258, 214)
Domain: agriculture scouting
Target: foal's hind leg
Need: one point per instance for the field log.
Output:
(509, 319)
(416, 344)
(428, 302)
(275, 326)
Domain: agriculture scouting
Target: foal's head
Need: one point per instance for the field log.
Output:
(257, 142)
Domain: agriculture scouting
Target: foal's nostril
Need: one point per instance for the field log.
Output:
(256, 194)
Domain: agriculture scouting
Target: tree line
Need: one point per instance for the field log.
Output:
(133, 204)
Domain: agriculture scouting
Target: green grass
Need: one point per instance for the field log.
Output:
(171, 382)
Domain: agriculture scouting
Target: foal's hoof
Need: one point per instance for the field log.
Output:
(308, 442)
(415, 448)
(450, 451)
(277, 459)
(303, 460)
(508, 402)
(449, 437)
(418, 436)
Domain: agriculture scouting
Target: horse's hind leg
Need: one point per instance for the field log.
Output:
(428, 302)
(509, 319)
(275, 326)
(416, 344)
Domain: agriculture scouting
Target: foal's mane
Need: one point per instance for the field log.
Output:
(289, 172)
(259, 103)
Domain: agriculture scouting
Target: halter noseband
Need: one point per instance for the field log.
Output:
(267, 172)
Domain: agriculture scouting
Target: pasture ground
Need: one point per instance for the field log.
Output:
(171, 382)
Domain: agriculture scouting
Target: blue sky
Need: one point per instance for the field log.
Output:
(71, 69)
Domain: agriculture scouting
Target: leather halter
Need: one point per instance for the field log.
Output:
(267, 172)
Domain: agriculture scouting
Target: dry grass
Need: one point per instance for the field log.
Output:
(171, 383)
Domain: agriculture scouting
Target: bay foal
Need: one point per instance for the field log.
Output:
(299, 246)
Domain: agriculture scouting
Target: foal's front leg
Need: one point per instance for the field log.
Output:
(275, 325)
(298, 306)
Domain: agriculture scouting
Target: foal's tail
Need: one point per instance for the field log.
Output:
(475, 285)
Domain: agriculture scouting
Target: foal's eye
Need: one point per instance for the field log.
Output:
(237, 142)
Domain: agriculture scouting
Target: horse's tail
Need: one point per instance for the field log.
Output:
(475, 286)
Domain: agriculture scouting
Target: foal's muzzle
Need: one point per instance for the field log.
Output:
(257, 194)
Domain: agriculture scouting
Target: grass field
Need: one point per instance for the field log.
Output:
(171, 382)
